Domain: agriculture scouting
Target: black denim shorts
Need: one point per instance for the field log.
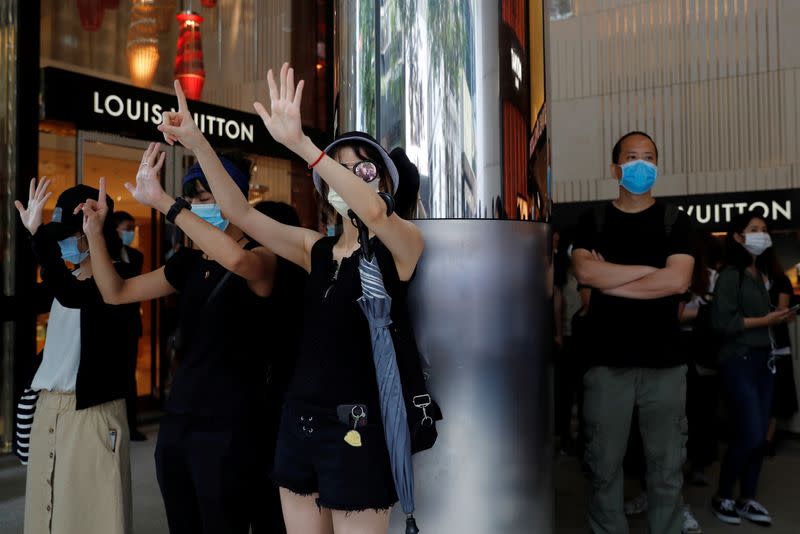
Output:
(311, 456)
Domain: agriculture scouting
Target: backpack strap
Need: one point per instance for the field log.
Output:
(671, 214)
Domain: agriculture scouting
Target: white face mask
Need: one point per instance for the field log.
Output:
(757, 242)
(340, 205)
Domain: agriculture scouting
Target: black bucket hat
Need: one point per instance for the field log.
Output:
(66, 223)
(360, 137)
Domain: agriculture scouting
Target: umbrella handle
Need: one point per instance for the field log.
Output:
(389, 200)
(411, 525)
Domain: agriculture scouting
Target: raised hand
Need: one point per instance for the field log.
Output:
(37, 198)
(283, 119)
(148, 190)
(179, 125)
(95, 212)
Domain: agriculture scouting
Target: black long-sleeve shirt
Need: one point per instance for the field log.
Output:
(105, 329)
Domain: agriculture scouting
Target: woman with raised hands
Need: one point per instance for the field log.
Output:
(327, 483)
(78, 478)
(209, 452)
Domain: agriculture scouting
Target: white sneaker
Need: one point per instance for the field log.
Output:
(690, 524)
(755, 512)
(637, 505)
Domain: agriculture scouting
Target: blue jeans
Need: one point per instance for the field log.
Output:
(748, 384)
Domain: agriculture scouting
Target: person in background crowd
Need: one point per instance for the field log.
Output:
(741, 313)
(634, 252)
(126, 228)
(209, 454)
(699, 343)
(78, 478)
(781, 295)
(568, 364)
(286, 317)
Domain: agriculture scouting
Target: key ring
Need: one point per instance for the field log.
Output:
(358, 415)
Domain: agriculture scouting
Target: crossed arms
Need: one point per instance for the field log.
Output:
(639, 282)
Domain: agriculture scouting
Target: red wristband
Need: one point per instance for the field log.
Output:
(321, 155)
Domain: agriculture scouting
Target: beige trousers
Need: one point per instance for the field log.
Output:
(79, 472)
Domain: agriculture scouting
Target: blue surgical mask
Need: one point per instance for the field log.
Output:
(211, 214)
(638, 176)
(70, 252)
(127, 237)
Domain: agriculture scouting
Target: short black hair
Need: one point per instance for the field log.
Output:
(617, 150)
(120, 217)
(192, 189)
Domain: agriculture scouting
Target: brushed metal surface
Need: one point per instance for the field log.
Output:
(479, 304)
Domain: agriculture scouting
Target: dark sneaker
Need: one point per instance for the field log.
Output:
(725, 510)
(755, 512)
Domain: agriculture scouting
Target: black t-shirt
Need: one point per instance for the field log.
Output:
(336, 365)
(630, 332)
(229, 346)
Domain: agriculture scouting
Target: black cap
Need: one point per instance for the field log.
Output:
(66, 223)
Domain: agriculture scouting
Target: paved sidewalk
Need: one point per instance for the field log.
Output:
(780, 492)
(148, 511)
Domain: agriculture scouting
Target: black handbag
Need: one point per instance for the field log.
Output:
(421, 409)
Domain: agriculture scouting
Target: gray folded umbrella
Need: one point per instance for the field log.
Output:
(376, 304)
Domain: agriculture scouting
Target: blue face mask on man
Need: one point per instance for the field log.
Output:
(638, 176)
(127, 237)
(70, 252)
(211, 214)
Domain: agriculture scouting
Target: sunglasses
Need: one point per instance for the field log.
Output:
(366, 170)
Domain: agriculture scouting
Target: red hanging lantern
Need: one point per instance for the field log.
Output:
(91, 14)
(209, 3)
(189, 60)
(111, 4)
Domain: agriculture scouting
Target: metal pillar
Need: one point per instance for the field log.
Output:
(453, 82)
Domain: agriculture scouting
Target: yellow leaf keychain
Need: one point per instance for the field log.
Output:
(353, 437)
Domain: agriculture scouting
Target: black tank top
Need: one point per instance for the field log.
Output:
(335, 365)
